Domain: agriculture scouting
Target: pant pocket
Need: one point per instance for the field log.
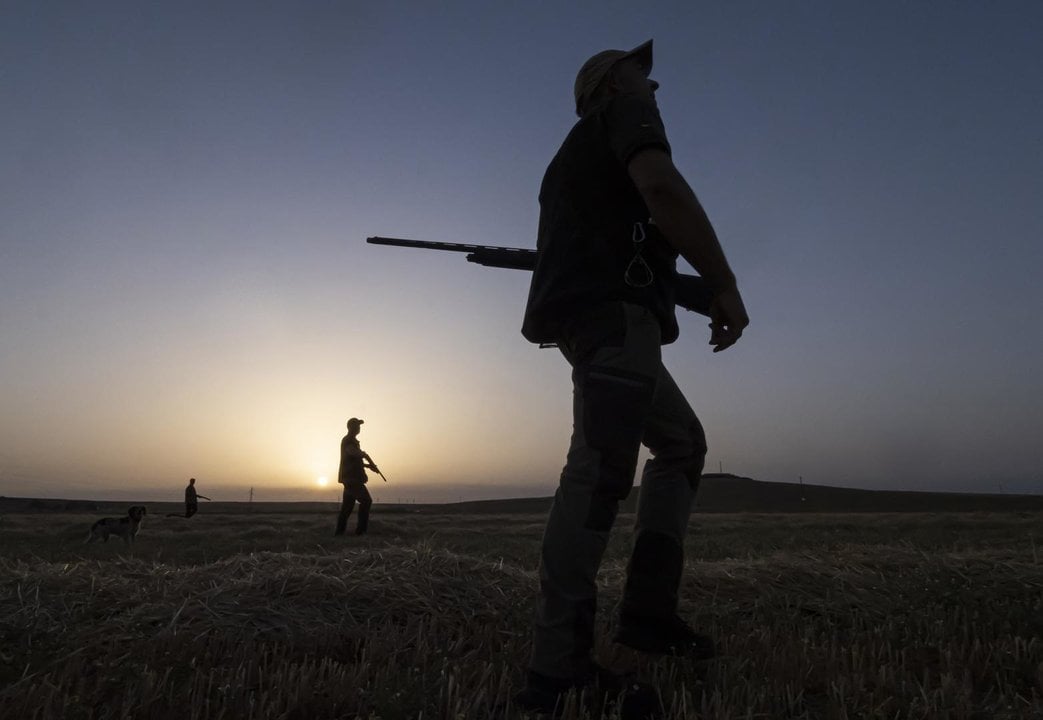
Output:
(615, 406)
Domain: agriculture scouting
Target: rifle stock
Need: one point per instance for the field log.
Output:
(691, 291)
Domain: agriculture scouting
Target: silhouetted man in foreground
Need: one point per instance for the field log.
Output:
(352, 475)
(191, 500)
(614, 215)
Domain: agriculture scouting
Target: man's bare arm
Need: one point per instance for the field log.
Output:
(677, 212)
(679, 215)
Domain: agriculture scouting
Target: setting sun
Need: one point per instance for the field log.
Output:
(322, 481)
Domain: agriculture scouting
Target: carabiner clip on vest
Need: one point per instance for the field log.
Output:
(638, 274)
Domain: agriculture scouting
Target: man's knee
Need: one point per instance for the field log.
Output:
(693, 469)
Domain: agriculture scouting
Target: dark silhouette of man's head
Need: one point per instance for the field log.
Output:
(613, 72)
(191, 481)
(354, 426)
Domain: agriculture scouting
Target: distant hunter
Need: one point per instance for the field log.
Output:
(352, 475)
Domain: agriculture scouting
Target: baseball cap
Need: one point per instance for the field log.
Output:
(598, 66)
(355, 421)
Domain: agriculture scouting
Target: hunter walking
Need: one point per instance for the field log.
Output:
(191, 500)
(352, 475)
(614, 215)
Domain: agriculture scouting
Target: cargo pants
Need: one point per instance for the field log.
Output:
(354, 490)
(622, 397)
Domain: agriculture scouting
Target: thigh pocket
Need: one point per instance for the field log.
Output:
(602, 327)
(615, 407)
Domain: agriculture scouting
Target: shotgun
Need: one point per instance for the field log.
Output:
(691, 291)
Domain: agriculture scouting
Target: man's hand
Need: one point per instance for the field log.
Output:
(728, 319)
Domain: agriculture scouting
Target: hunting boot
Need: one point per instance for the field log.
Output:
(648, 620)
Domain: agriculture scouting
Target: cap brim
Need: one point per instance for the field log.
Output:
(643, 53)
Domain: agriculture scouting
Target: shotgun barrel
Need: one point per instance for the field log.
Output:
(691, 291)
(488, 255)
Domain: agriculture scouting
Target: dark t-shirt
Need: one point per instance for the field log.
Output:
(191, 497)
(591, 213)
(351, 465)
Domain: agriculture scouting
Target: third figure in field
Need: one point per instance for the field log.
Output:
(191, 500)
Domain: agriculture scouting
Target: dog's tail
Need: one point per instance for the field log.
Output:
(90, 533)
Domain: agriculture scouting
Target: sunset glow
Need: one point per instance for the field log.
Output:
(186, 291)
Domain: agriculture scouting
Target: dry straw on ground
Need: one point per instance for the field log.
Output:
(407, 628)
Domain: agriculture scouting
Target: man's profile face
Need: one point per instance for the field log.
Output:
(628, 78)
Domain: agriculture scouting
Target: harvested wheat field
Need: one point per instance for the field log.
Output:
(236, 615)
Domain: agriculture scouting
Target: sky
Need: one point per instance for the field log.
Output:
(186, 291)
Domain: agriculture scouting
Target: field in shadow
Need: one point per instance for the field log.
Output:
(269, 616)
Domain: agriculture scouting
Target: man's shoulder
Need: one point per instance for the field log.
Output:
(623, 120)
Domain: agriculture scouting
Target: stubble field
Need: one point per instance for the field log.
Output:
(240, 615)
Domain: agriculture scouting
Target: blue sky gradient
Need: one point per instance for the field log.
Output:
(185, 191)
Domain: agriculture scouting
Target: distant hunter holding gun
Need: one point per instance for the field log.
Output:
(191, 500)
(352, 475)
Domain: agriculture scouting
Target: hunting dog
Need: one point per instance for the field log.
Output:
(125, 527)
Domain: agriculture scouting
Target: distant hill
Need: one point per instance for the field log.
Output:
(50, 505)
(718, 493)
(726, 493)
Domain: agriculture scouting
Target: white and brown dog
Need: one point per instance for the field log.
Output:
(124, 527)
